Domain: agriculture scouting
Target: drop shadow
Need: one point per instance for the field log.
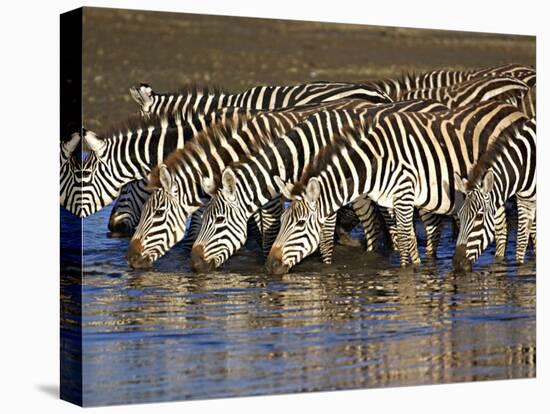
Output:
(49, 389)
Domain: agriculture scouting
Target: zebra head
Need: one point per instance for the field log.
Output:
(143, 95)
(127, 208)
(162, 222)
(224, 226)
(477, 222)
(95, 177)
(300, 231)
(69, 194)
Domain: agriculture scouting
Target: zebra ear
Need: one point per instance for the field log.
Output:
(460, 183)
(95, 144)
(208, 186)
(70, 145)
(313, 190)
(145, 90)
(284, 188)
(488, 181)
(134, 93)
(229, 186)
(165, 178)
(142, 95)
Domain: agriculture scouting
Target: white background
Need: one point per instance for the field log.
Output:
(29, 212)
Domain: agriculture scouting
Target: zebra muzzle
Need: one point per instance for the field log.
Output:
(461, 263)
(274, 263)
(198, 264)
(135, 256)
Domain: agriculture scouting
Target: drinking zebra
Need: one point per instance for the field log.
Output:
(508, 168)
(248, 185)
(403, 161)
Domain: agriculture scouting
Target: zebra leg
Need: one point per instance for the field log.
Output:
(534, 236)
(366, 212)
(404, 216)
(389, 218)
(432, 224)
(326, 245)
(526, 217)
(271, 222)
(501, 232)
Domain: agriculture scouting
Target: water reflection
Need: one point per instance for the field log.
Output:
(169, 334)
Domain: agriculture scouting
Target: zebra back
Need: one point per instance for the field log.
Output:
(396, 88)
(195, 101)
(479, 89)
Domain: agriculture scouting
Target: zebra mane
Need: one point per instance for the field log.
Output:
(136, 122)
(325, 156)
(496, 149)
(213, 137)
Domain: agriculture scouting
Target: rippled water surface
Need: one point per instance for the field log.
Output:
(362, 322)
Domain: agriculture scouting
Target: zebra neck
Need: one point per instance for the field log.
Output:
(189, 188)
(138, 153)
(333, 197)
(255, 185)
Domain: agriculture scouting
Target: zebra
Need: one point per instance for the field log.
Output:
(191, 169)
(202, 100)
(508, 168)
(193, 103)
(396, 88)
(68, 172)
(403, 161)
(249, 184)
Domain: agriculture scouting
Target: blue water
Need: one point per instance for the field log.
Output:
(168, 334)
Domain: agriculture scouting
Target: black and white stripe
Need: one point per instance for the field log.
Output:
(481, 89)
(195, 100)
(397, 88)
(69, 169)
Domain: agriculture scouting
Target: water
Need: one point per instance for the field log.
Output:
(362, 322)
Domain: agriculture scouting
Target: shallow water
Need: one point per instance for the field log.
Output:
(170, 334)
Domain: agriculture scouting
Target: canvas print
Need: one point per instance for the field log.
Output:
(258, 206)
